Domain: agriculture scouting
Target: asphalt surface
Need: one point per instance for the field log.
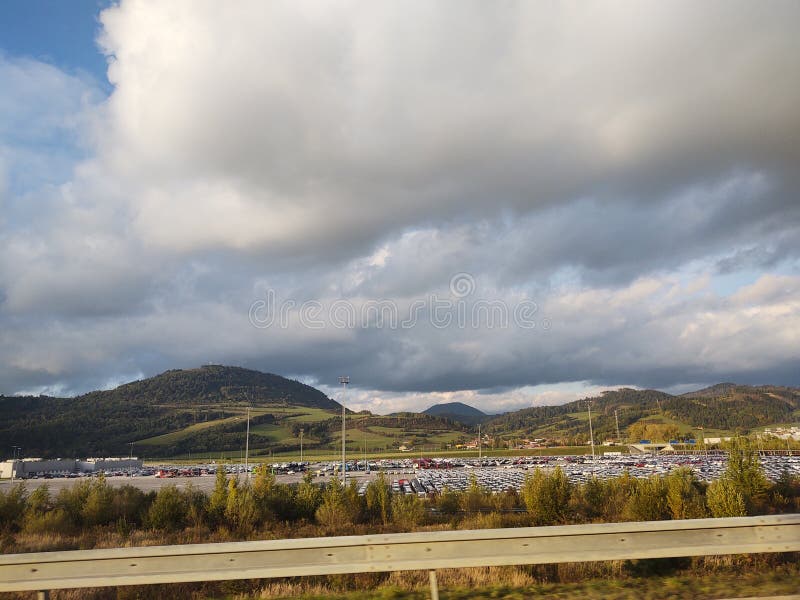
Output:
(496, 475)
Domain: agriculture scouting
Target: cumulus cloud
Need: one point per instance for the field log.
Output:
(605, 164)
(312, 123)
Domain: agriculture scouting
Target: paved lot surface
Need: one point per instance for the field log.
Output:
(205, 482)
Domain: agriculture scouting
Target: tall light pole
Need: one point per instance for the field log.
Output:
(480, 458)
(14, 450)
(130, 460)
(301, 445)
(247, 445)
(619, 437)
(344, 380)
(591, 433)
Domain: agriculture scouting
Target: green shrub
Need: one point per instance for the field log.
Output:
(725, 499)
(168, 511)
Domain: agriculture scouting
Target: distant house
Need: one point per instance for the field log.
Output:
(646, 447)
(717, 440)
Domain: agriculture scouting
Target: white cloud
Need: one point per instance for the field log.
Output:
(609, 163)
(308, 123)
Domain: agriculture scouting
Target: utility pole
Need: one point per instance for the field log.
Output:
(703, 438)
(247, 445)
(344, 380)
(15, 450)
(480, 455)
(591, 433)
(301, 445)
(616, 418)
(130, 460)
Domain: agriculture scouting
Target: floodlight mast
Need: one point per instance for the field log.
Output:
(591, 433)
(247, 447)
(344, 380)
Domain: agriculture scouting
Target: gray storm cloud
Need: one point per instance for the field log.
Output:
(607, 162)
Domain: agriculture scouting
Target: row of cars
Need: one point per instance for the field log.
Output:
(580, 469)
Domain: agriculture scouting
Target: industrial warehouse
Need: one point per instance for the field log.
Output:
(32, 468)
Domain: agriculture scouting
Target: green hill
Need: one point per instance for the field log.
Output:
(177, 411)
(203, 411)
(458, 412)
(721, 409)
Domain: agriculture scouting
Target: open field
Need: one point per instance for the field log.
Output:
(175, 436)
(277, 433)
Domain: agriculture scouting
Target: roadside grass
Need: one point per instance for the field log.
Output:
(460, 585)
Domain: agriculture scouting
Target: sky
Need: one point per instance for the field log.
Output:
(504, 204)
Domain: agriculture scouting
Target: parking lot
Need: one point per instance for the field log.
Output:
(426, 476)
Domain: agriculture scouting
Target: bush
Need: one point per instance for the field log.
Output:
(12, 507)
(333, 513)
(744, 472)
(684, 495)
(648, 502)
(98, 508)
(725, 499)
(55, 521)
(378, 500)
(407, 510)
(546, 496)
(168, 511)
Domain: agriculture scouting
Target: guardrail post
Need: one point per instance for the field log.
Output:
(434, 585)
(45, 595)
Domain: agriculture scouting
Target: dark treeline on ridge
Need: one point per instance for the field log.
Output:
(202, 411)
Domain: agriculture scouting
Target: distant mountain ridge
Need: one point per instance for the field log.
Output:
(727, 407)
(204, 410)
(457, 411)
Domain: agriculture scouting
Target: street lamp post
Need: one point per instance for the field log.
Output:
(14, 450)
(480, 457)
(301, 445)
(130, 461)
(344, 380)
(591, 433)
(247, 446)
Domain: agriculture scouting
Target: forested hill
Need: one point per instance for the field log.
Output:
(571, 419)
(458, 412)
(103, 423)
(730, 406)
(214, 384)
(640, 413)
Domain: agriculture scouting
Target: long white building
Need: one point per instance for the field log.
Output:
(29, 467)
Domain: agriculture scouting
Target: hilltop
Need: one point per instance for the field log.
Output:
(178, 410)
(457, 411)
(217, 384)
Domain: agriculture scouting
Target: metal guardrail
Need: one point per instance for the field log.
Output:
(398, 552)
